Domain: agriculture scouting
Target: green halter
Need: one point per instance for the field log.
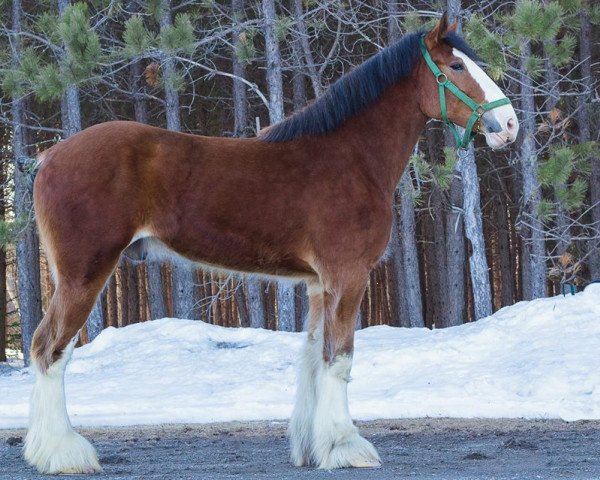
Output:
(478, 110)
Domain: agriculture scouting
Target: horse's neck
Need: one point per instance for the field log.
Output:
(384, 135)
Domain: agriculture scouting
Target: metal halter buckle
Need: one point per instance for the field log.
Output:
(440, 75)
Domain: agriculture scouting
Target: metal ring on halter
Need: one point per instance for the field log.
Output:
(440, 75)
(480, 110)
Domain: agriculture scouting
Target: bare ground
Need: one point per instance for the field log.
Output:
(422, 448)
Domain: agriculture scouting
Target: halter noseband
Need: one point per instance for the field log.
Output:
(478, 109)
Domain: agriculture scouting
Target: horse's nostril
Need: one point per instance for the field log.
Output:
(510, 125)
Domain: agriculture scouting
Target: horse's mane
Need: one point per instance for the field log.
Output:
(358, 89)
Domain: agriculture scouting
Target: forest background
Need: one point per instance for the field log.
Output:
(474, 230)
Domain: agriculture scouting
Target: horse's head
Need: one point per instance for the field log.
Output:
(484, 109)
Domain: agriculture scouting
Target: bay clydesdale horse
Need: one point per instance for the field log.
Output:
(309, 200)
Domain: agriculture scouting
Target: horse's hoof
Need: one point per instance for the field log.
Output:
(67, 454)
(366, 463)
(77, 474)
(89, 470)
(353, 452)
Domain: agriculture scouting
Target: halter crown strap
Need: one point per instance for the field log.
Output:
(443, 84)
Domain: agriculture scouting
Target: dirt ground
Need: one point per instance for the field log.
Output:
(424, 448)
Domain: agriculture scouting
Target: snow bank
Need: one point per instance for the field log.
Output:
(536, 359)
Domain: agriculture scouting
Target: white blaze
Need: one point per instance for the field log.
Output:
(491, 92)
(490, 89)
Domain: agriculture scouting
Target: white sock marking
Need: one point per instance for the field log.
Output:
(51, 445)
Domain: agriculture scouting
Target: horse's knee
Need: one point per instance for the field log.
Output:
(341, 305)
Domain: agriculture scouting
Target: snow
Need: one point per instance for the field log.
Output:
(537, 359)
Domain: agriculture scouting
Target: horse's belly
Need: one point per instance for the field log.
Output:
(239, 251)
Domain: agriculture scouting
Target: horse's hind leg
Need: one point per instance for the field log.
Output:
(336, 442)
(51, 445)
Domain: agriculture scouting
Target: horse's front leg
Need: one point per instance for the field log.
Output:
(301, 423)
(335, 441)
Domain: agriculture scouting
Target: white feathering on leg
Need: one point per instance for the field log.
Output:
(336, 442)
(301, 423)
(51, 445)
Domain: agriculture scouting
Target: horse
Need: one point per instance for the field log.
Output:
(307, 200)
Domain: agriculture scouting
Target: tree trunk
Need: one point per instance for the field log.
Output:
(273, 57)
(298, 79)
(583, 119)
(139, 103)
(400, 309)
(112, 310)
(132, 298)
(301, 306)
(507, 283)
(438, 266)
(534, 263)
(71, 109)
(410, 257)
(455, 250)
(392, 21)
(95, 322)
(240, 102)
(286, 316)
(2, 271)
(256, 303)
(302, 38)
(480, 277)
(285, 292)
(455, 233)
(27, 248)
(156, 297)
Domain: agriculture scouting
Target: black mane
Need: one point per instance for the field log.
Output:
(357, 90)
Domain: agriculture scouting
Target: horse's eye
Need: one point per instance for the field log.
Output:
(457, 67)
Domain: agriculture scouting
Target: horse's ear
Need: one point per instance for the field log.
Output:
(436, 35)
(453, 26)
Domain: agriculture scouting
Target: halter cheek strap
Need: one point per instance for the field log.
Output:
(478, 109)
